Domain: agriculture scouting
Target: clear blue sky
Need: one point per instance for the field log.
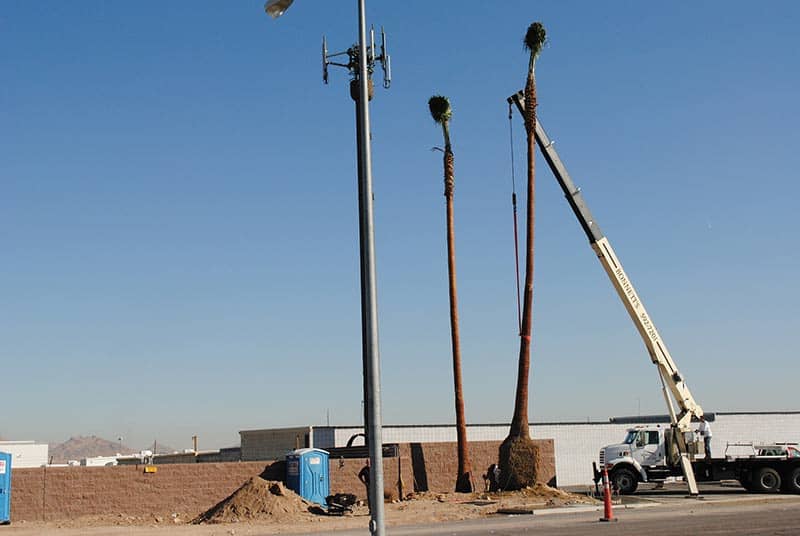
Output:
(178, 225)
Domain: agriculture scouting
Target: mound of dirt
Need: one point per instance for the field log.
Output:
(545, 491)
(554, 497)
(538, 493)
(258, 500)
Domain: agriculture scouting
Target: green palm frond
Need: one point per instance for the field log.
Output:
(535, 38)
(440, 109)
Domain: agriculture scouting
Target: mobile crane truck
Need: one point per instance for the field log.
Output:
(653, 453)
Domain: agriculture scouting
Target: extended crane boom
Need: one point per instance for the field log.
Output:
(656, 347)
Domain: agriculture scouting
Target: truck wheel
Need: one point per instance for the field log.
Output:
(791, 480)
(625, 480)
(766, 480)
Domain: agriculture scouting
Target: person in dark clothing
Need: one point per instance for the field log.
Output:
(492, 478)
(364, 476)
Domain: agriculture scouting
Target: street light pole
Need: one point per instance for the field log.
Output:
(369, 299)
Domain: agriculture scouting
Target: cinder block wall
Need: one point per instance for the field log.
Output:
(434, 465)
(58, 493)
(68, 492)
(397, 476)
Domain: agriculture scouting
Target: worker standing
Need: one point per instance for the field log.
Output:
(492, 478)
(705, 432)
(364, 476)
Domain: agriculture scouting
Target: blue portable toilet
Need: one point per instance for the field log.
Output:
(5, 488)
(307, 474)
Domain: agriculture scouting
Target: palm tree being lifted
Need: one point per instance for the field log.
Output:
(518, 454)
(441, 112)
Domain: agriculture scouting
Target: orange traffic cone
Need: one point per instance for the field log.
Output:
(608, 511)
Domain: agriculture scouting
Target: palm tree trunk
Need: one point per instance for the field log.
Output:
(519, 455)
(464, 478)
(519, 424)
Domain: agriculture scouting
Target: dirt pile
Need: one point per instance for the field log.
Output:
(554, 497)
(258, 500)
(546, 492)
(539, 494)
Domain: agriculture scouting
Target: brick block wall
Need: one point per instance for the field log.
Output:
(434, 465)
(58, 493)
(69, 492)
(398, 477)
(431, 467)
(188, 489)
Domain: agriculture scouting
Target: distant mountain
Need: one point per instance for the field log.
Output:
(79, 447)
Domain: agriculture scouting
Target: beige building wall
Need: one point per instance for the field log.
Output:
(25, 453)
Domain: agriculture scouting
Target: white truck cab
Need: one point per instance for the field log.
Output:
(647, 445)
(628, 462)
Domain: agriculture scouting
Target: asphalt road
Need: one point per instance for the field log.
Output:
(727, 513)
(708, 520)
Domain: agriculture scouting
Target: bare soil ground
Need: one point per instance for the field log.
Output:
(264, 507)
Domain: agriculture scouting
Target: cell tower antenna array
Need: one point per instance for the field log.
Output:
(352, 59)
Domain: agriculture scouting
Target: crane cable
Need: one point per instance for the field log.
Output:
(514, 206)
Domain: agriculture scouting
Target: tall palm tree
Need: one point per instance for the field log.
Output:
(518, 454)
(441, 112)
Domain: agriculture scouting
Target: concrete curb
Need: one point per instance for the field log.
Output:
(577, 509)
(651, 503)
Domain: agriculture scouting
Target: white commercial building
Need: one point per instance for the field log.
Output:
(25, 453)
(99, 461)
(576, 444)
